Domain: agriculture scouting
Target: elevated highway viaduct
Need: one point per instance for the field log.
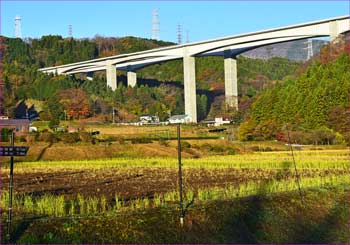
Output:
(228, 47)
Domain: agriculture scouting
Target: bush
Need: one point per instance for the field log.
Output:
(5, 134)
(185, 145)
(206, 147)
(218, 149)
(141, 141)
(85, 137)
(22, 138)
(245, 131)
(164, 142)
(121, 140)
(261, 148)
(47, 137)
(70, 138)
(32, 137)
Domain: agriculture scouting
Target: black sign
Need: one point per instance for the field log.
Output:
(9, 151)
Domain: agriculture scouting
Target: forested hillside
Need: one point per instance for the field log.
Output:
(314, 107)
(159, 90)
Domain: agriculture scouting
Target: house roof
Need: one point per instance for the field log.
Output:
(14, 122)
(178, 117)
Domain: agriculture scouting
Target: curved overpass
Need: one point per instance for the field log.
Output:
(228, 47)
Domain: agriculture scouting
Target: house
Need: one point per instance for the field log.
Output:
(219, 121)
(149, 119)
(21, 126)
(179, 119)
(209, 122)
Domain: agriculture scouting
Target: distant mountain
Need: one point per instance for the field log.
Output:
(294, 50)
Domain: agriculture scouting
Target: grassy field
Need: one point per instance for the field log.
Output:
(136, 192)
(305, 159)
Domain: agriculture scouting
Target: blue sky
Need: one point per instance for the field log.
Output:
(203, 19)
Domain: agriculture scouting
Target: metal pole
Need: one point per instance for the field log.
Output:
(9, 218)
(295, 168)
(182, 214)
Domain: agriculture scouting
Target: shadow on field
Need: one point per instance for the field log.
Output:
(19, 228)
(257, 220)
(247, 224)
(333, 228)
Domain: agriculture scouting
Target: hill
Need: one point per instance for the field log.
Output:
(312, 108)
(159, 90)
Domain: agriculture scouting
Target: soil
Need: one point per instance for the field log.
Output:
(138, 182)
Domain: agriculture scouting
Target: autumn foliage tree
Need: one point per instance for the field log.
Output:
(75, 102)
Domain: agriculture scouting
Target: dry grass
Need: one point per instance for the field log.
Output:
(149, 130)
(60, 151)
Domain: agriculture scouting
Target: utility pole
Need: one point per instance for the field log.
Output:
(9, 218)
(182, 214)
(113, 114)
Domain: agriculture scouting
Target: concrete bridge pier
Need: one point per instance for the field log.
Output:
(132, 78)
(334, 30)
(231, 87)
(189, 67)
(111, 74)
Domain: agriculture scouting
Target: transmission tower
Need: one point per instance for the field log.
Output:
(309, 48)
(18, 33)
(179, 34)
(155, 25)
(187, 36)
(70, 31)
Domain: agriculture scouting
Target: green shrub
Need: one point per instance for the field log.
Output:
(70, 138)
(142, 140)
(5, 134)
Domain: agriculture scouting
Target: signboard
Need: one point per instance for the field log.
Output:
(10, 151)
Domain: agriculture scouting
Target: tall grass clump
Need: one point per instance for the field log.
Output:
(4, 200)
(118, 202)
(81, 204)
(103, 204)
(91, 205)
(28, 204)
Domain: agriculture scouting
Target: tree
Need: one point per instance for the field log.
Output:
(75, 102)
(202, 101)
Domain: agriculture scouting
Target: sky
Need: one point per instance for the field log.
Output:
(202, 19)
